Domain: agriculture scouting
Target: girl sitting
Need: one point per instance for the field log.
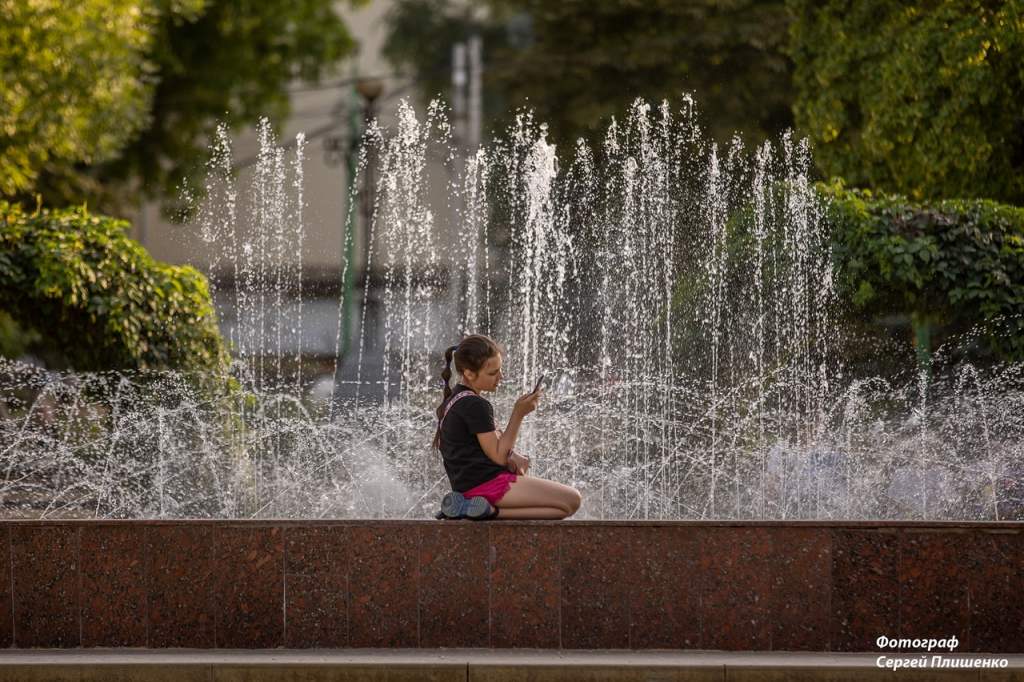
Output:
(488, 477)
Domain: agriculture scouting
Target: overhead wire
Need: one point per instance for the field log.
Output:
(316, 87)
(324, 129)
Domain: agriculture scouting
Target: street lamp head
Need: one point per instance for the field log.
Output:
(369, 88)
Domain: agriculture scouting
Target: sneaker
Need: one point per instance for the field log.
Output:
(456, 506)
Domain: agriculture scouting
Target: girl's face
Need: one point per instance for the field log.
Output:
(488, 378)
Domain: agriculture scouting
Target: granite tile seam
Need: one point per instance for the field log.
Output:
(284, 586)
(559, 535)
(900, 539)
(419, 587)
(830, 581)
(491, 551)
(10, 566)
(78, 567)
(147, 587)
(214, 550)
(825, 565)
(699, 549)
(629, 600)
(348, 595)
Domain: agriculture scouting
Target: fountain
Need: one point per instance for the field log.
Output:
(744, 486)
(680, 292)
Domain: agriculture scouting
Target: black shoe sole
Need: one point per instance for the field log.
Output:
(452, 504)
(478, 508)
(456, 506)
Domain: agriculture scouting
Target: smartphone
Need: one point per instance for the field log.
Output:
(539, 382)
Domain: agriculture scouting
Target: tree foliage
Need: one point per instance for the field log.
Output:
(578, 63)
(953, 263)
(150, 92)
(232, 63)
(917, 98)
(72, 86)
(98, 299)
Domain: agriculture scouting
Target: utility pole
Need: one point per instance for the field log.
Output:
(467, 114)
(474, 118)
(459, 80)
(476, 72)
(370, 90)
(457, 280)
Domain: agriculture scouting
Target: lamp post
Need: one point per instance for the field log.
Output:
(340, 149)
(369, 89)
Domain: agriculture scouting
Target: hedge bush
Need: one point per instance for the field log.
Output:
(99, 299)
(947, 263)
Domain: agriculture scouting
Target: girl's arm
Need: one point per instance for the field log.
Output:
(498, 444)
(497, 448)
(517, 462)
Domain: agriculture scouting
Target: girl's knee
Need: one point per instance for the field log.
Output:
(573, 502)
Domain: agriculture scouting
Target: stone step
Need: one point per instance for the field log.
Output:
(479, 665)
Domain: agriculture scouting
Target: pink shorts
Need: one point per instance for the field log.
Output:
(494, 489)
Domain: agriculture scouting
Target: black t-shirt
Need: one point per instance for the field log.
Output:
(465, 461)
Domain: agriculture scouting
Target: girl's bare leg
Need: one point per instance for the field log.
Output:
(537, 498)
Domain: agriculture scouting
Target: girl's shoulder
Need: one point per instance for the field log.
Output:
(468, 400)
(473, 398)
(459, 394)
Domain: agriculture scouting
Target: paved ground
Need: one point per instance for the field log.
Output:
(476, 665)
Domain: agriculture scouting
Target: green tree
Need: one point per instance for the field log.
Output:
(578, 63)
(192, 64)
(72, 83)
(233, 64)
(917, 98)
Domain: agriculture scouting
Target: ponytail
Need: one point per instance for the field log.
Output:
(473, 351)
(446, 374)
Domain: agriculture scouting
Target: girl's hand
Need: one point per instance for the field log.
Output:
(518, 464)
(527, 403)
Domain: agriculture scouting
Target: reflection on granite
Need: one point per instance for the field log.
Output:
(865, 588)
(453, 585)
(995, 571)
(180, 594)
(934, 584)
(45, 585)
(737, 576)
(664, 586)
(113, 586)
(803, 586)
(525, 586)
(384, 581)
(249, 570)
(595, 587)
(316, 587)
(801, 576)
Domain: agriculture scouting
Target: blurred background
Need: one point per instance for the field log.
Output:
(186, 229)
(113, 105)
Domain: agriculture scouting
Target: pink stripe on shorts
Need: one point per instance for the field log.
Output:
(494, 489)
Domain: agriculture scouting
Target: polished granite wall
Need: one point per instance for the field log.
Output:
(571, 585)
